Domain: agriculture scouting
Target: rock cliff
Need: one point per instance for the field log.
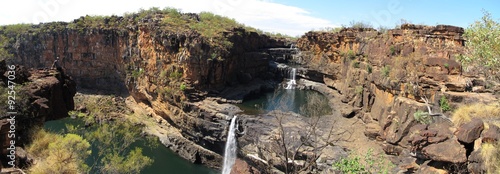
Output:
(168, 68)
(391, 76)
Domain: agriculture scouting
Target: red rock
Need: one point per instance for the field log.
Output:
(470, 131)
(447, 151)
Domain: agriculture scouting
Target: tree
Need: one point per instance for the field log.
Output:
(307, 141)
(64, 155)
(483, 45)
(114, 154)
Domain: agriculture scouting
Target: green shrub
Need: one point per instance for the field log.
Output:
(446, 65)
(443, 103)
(360, 24)
(183, 87)
(422, 117)
(349, 54)
(386, 70)
(137, 73)
(483, 51)
(355, 64)
(175, 75)
(392, 50)
(358, 89)
(350, 165)
(369, 68)
(372, 164)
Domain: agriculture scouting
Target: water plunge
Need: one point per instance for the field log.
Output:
(291, 84)
(230, 150)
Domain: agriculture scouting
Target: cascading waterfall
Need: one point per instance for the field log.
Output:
(291, 84)
(230, 150)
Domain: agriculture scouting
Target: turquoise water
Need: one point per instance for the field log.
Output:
(290, 100)
(165, 161)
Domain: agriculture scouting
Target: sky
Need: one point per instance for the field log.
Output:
(292, 17)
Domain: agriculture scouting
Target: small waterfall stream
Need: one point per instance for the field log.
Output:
(230, 150)
(291, 84)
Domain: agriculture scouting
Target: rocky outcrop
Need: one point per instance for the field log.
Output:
(391, 76)
(41, 95)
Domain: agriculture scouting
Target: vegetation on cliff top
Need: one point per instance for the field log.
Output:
(207, 24)
(483, 46)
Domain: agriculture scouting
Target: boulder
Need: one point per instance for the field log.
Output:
(372, 130)
(476, 165)
(447, 151)
(470, 131)
(491, 135)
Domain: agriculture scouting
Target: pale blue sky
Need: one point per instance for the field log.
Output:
(293, 17)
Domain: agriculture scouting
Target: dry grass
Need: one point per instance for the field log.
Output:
(490, 113)
(491, 156)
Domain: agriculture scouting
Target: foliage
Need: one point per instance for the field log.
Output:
(446, 65)
(332, 29)
(422, 117)
(482, 45)
(62, 155)
(386, 70)
(137, 73)
(359, 24)
(183, 87)
(371, 164)
(443, 103)
(369, 68)
(465, 113)
(382, 29)
(349, 54)
(350, 165)
(359, 89)
(175, 75)
(392, 50)
(112, 142)
(355, 64)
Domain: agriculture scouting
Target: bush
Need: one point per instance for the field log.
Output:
(349, 54)
(443, 103)
(183, 87)
(369, 68)
(386, 71)
(481, 49)
(392, 50)
(175, 75)
(359, 24)
(359, 90)
(62, 155)
(355, 64)
(422, 117)
(371, 164)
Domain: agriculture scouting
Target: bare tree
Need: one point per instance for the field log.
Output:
(305, 141)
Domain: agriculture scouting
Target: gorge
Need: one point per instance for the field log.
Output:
(187, 82)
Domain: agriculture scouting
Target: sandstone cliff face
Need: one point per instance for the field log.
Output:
(388, 76)
(42, 95)
(163, 68)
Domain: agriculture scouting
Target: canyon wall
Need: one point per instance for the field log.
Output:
(165, 68)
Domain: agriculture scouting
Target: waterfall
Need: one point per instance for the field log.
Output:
(230, 150)
(291, 84)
